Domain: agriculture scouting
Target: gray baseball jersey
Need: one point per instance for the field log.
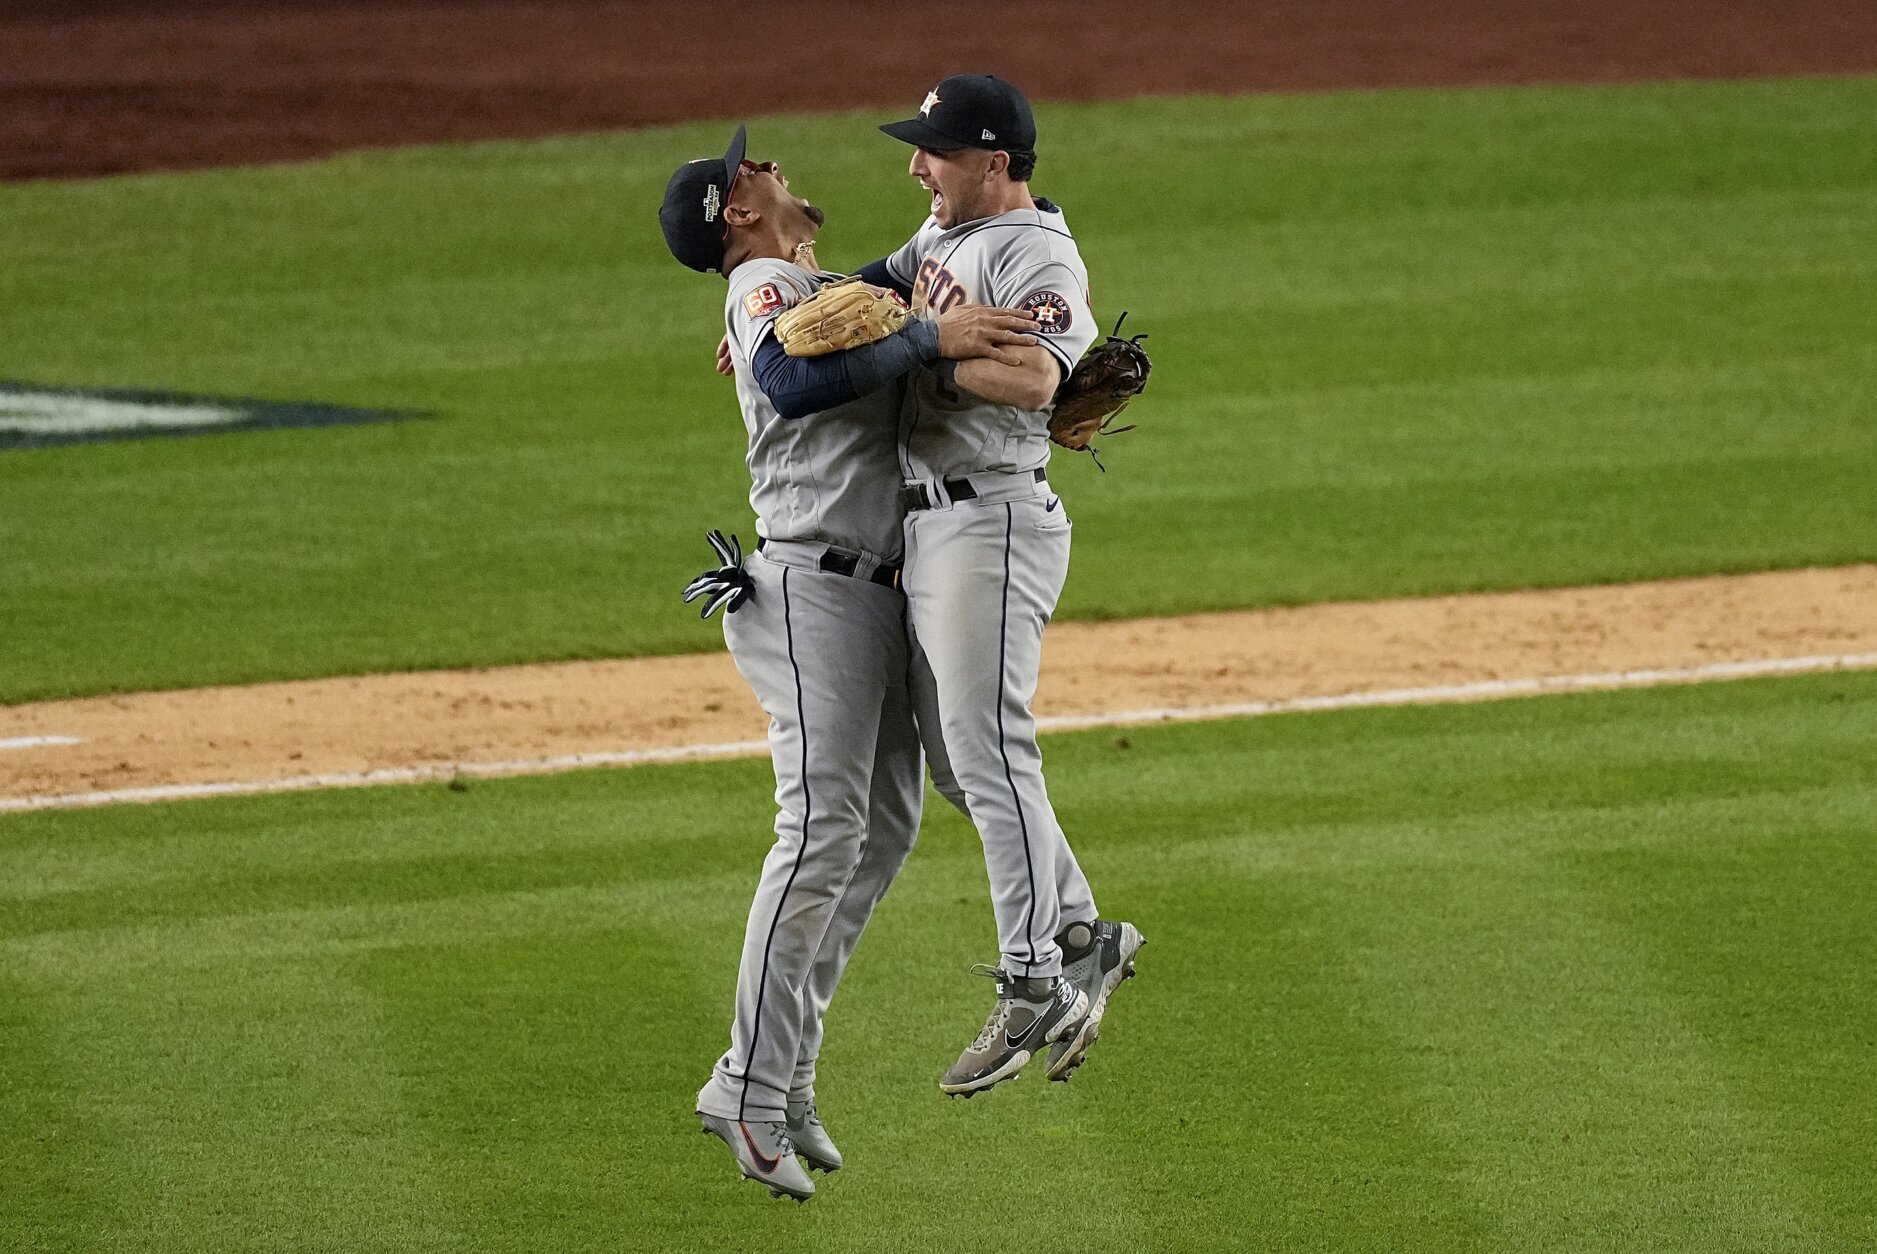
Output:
(1024, 259)
(829, 477)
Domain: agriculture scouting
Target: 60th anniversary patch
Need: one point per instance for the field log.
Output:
(33, 416)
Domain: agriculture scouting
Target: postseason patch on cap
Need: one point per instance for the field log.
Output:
(1052, 312)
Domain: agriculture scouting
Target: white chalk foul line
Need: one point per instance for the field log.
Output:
(40, 742)
(389, 775)
(1481, 690)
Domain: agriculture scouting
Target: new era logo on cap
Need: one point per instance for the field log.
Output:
(988, 135)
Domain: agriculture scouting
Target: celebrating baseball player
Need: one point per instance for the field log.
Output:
(815, 621)
(987, 551)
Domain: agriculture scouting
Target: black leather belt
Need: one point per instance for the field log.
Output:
(842, 564)
(848, 563)
(915, 495)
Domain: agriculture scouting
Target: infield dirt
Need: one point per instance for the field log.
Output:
(448, 719)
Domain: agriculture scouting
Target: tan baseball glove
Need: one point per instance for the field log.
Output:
(1110, 374)
(841, 315)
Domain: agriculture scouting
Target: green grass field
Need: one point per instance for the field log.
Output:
(1589, 972)
(1406, 343)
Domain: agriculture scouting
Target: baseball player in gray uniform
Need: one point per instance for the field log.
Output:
(816, 624)
(987, 551)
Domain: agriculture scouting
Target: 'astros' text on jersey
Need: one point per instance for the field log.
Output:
(1024, 259)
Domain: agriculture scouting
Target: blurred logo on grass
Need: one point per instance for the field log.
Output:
(33, 416)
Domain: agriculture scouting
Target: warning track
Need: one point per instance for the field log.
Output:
(531, 719)
(110, 86)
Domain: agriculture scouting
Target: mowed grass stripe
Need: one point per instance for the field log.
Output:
(239, 1106)
(1525, 1037)
(1724, 935)
(1407, 343)
(1397, 958)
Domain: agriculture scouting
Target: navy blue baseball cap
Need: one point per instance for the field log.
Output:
(695, 199)
(970, 111)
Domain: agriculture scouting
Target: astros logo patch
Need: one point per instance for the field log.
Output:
(1052, 312)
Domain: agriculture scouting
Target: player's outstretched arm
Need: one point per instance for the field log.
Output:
(1029, 383)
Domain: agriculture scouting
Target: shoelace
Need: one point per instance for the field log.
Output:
(1001, 1012)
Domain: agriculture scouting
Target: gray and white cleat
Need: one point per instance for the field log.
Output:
(812, 1141)
(1096, 967)
(764, 1153)
(1029, 1014)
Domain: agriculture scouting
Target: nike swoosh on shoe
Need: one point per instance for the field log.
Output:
(1016, 1042)
(764, 1165)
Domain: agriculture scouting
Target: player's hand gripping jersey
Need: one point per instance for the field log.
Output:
(1024, 259)
(829, 476)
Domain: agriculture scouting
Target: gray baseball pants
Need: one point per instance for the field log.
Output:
(827, 656)
(982, 579)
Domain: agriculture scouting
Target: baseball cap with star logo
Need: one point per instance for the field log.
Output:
(692, 215)
(970, 111)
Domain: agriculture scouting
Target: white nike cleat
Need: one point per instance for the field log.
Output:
(1097, 969)
(812, 1141)
(1029, 1015)
(764, 1153)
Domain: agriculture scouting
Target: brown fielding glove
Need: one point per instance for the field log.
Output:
(841, 315)
(1110, 374)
